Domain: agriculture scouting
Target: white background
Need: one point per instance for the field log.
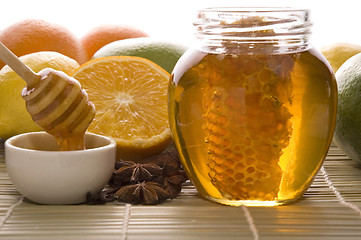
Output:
(334, 21)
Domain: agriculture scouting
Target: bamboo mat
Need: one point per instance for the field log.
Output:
(330, 209)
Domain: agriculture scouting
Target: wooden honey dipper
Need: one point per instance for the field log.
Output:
(55, 101)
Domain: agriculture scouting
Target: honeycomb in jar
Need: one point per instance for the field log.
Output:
(247, 122)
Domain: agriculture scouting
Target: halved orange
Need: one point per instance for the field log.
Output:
(130, 97)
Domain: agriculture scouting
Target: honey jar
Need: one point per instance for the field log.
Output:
(252, 106)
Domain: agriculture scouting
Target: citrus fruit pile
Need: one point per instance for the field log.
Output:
(126, 79)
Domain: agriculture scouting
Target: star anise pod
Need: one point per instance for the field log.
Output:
(173, 175)
(147, 193)
(129, 172)
(167, 160)
(172, 184)
(149, 181)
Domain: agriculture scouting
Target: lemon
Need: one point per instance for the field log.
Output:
(130, 97)
(348, 123)
(163, 53)
(14, 118)
(337, 53)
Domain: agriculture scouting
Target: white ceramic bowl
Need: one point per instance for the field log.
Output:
(46, 176)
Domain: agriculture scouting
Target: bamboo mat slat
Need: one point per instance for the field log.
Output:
(330, 209)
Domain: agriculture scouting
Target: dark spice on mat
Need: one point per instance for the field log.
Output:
(151, 181)
(147, 193)
(130, 172)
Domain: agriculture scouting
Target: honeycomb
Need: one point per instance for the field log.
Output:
(247, 122)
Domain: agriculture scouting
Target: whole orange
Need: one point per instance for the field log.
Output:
(101, 35)
(35, 35)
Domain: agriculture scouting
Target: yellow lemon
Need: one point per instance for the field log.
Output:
(337, 53)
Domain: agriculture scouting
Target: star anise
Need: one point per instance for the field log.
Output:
(173, 175)
(150, 181)
(167, 160)
(173, 184)
(128, 172)
(147, 193)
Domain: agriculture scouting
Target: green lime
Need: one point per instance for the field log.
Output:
(163, 53)
(348, 124)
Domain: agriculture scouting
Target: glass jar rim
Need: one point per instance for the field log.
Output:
(253, 9)
(276, 29)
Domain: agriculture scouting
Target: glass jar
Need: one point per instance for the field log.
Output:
(253, 106)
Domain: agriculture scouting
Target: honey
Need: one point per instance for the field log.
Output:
(252, 122)
(59, 105)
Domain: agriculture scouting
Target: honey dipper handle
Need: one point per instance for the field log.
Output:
(18, 66)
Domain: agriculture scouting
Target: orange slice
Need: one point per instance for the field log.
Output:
(130, 97)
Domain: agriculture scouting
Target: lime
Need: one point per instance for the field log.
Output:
(163, 53)
(348, 124)
(14, 118)
(337, 53)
